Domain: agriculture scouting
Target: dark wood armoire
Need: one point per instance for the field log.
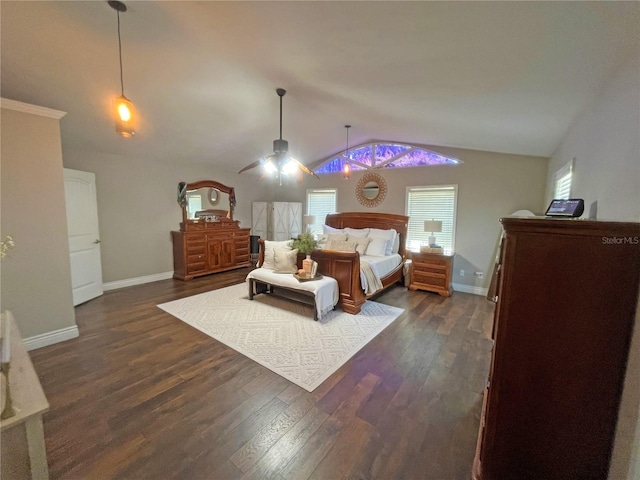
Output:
(567, 297)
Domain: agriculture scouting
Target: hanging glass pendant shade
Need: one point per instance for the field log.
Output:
(124, 107)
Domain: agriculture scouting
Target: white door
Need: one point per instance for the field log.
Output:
(259, 219)
(84, 235)
(280, 220)
(295, 219)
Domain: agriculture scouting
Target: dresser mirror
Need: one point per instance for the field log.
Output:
(206, 201)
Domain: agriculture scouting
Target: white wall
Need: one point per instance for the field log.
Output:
(605, 142)
(36, 275)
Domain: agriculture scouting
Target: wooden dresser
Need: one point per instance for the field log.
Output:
(567, 297)
(431, 272)
(201, 248)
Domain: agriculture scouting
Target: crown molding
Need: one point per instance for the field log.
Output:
(28, 108)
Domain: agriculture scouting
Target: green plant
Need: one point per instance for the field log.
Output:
(5, 246)
(305, 243)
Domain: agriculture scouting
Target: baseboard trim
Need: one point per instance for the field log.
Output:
(130, 282)
(49, 338)
(459, 287)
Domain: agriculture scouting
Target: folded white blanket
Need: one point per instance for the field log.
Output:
(325, 290)
(369, 278)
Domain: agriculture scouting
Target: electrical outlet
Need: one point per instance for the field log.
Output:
(479, 274)
(462, 273)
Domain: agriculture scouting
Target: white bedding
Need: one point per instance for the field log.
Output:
(381, 266)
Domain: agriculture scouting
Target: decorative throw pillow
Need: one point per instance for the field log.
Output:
(342, 245)
(285, 261)
(395, 248)
(327, 230)
(377, 247)
(363, 243)
(269, 247)
(322, 241)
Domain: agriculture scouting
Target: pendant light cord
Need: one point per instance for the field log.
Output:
(120, 55)
(280, 117)
(347, 152)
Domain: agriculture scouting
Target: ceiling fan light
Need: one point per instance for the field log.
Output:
(269, 167)
(289, 167)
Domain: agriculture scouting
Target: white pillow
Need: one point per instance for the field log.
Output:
(377, 247)
(269, 247)
(327, 230)
(286, 261)
(389, 235)
(357, 232)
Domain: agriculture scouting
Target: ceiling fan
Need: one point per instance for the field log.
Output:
(279, 163)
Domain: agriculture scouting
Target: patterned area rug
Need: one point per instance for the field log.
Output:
(281, 334)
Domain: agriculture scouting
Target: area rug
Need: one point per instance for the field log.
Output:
(281, 334)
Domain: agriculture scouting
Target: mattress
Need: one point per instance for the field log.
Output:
(382, 266)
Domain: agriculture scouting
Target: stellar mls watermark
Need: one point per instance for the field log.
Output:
(620, 240)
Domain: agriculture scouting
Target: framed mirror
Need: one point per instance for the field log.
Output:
(371, 189)
(207, 201)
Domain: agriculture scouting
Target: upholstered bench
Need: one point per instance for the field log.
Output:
(322, 294)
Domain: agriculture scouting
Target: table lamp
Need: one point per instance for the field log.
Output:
(309, 220)
(432, 226)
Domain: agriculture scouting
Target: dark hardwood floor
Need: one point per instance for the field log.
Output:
(142, 395)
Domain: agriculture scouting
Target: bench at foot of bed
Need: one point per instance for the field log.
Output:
(322, 294)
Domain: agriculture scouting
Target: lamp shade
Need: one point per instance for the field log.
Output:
(433, 226)
(309, 219)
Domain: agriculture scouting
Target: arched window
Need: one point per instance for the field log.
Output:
(383, 155)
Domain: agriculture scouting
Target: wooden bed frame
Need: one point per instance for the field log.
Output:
(345, 266)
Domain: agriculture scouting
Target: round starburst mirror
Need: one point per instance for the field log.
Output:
(371, 190)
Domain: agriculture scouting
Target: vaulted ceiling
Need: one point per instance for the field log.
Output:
(499, 76)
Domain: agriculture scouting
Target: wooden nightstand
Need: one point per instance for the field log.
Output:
(431, 272)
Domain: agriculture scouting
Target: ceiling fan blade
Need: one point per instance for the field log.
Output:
(306, 170)
(251, 165)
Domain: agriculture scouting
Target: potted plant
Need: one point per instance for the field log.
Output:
(305, 243)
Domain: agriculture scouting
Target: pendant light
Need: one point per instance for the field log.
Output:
(124, 107)
(346, 170)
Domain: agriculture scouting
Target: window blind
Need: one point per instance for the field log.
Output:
(431, 203)
(320, 203)
(562, 181)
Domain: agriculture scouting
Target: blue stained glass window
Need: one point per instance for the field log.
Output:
(362, 155)
(387, 151)
(420, 158)
(407, 156)
(336, 165)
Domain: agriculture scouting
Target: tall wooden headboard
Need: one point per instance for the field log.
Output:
(384, 221)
